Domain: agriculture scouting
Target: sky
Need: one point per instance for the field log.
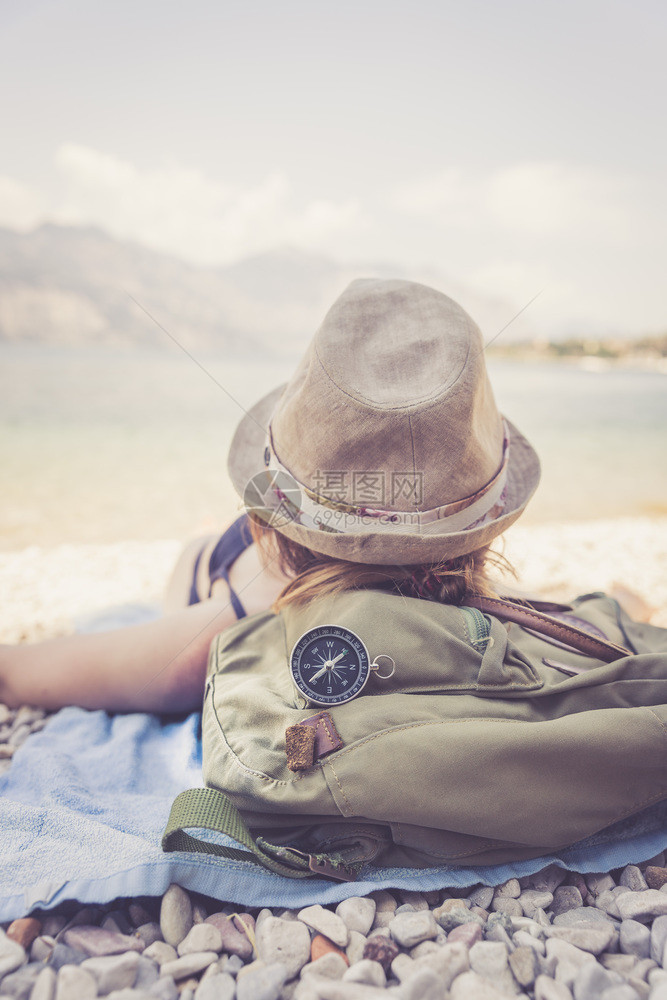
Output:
(514, 147)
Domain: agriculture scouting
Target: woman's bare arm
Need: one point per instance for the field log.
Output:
(155, 667)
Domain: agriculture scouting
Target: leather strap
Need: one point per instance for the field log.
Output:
(577, 638)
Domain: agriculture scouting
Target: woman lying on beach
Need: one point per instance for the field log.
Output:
(397, 473)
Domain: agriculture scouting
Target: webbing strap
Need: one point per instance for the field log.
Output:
(210, 809)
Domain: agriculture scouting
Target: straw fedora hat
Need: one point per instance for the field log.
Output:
(386, 446)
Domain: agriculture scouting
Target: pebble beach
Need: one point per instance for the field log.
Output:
(556, 935)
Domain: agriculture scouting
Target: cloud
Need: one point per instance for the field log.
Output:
(568, 229)
(547, 199)
(177, 209)
(181, 211)
(20, 205)
(542, 199)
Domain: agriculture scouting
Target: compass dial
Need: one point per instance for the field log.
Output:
(329, 665)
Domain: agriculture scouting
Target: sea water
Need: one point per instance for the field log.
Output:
(106, 445)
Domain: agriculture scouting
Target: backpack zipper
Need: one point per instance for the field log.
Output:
(477, 625)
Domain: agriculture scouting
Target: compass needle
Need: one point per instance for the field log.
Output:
(330, 665)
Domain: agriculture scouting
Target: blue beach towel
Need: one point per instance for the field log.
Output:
(84, 804)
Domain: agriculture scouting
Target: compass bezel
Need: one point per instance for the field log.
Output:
(360, 652)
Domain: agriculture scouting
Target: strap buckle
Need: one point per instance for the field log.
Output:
(320, 864)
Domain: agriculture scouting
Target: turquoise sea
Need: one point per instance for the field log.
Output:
(101, 445)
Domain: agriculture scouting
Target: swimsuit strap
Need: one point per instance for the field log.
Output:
(229, 547)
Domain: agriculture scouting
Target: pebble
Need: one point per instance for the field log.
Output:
(219, 986)
(424, 984)
(321, 946)
(510, 888)
(508, 905)
(597, 882)
(355, 949)
(165, 989)
(524, 965)
(658, 939)
(245, 924)
(582, 914)
(447, 962)
(286, 941)
(533, 899)
(385, 907)
(632, 877)
(655, 877)
(481, 896)
(635, 939)
(592, 938)
(417, 900)
(147, 973)
(472, 986)
(19, 984)
(149, 933)
(549, 989)
(367, 972)
(45, 985)
(381, 949)
(555, 935)
(591, 981)
(97, 941)
(564, 952)
(620, 992)
(489, 959)
(53, 923)
(112, 972)
(548, 879)
(607, 900)
(42, 947)
(24, 931)
(357, 913)
(455, 918)
(201, 937)
(402, 966)
(325, 922)
(468, 934)
(74, 983)
(642, 905)
(234, 941)
(262, 983)
(175, 915)
(409, 929)
(188, 965)
(332, 965)
(232, 965)
(12, 954)
(63, 955)
(161, 952)
(524, 940)
(566, 897)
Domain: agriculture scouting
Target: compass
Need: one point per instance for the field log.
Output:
(330, 665)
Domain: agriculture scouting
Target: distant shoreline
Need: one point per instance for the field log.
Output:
(644, 354)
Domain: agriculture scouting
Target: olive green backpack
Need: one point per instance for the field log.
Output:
(503, 733)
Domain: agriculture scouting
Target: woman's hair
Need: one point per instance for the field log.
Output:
(315, 575)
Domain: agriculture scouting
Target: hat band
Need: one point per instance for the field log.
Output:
(325, 514)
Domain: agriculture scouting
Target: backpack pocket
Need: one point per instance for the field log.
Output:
(436, 648)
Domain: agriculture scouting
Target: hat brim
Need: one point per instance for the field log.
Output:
(402, 548)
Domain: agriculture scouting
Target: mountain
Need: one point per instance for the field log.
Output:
(76, 286)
